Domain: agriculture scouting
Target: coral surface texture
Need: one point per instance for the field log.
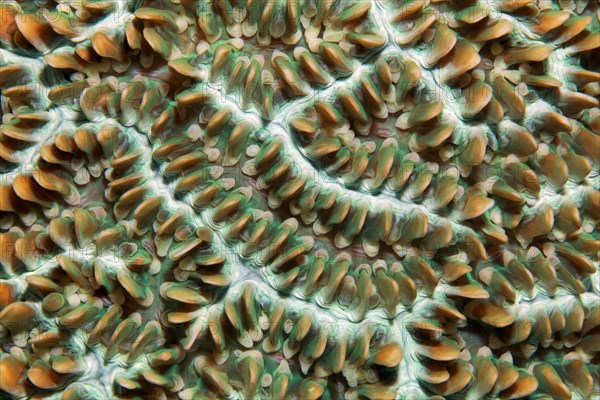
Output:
(300, 199)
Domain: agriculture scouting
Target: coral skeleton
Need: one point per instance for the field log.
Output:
(300, 199)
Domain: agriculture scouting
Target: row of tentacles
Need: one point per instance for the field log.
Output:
(162, 239)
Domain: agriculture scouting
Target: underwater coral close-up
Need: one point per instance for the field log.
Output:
(300, 199)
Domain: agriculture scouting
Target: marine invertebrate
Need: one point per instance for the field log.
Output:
(299, 199)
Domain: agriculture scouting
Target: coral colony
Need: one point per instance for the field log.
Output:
(300, 199)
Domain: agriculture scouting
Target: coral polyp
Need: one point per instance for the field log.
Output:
(300, 199)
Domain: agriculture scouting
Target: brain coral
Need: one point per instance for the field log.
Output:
(300, 199)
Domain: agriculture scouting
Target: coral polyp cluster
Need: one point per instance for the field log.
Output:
(300, 199)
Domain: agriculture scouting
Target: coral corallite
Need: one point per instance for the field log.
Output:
(300, 199)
